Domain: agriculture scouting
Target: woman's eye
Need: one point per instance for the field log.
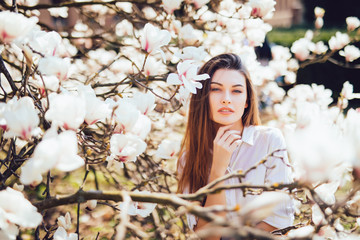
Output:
(215, 89)
(237, 91)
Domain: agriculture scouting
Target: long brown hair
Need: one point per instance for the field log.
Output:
(201, 130)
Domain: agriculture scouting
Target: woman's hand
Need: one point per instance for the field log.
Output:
(225, 143)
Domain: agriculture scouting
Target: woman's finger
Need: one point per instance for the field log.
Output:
(221, 132)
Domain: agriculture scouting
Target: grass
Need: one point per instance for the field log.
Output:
(286, 36)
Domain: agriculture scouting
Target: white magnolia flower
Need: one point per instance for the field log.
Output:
(183, 95)
(65, 221)
(187, 76)
(14, 25)
(301, 232)
(320, 48)
(319, 22)
(15, 209)
(124, 28)
(171, 5)
(149, 12)
(339, 41)
(309, 34)
(21, 118)
(55, 66)
(61, 234)
(126, 115)
(350, 53)
(301, 48)
(66, 110)
(152, 39)
(192, 53)
(352, 23)
(280, 53)
(351, 128)
(167, 149)
(262, 206)
(354, 204)
(51, 82)
(63, 156)
(142, 127)
(199, 3)
(316, 150)
(317, 215)
(347, 90)
(262, 8)
(144, 102)
(46, 43)
(91, 205)
(96, 109)
(154, 67)
(319, 12)
(256, 30)
(327, 191)
(126, 147)
(189, 35)
(139, 208)
(59, 12)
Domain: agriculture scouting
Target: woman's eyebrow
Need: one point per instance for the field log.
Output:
(220, 84)
(216, 83)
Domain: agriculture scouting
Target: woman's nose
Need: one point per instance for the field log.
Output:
(226, 98)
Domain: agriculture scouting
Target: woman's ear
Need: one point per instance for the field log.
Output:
(246, 104)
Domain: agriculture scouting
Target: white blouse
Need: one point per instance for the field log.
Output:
(257, 143)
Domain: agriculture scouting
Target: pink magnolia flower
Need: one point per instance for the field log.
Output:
(125, 115)
(262, 8)
(187, 76)
(339, 41)
(126, 147)
(46, 43)
(152, 39)
(15, 209)
(171, 5)
(66, 110)
(154, 67)
(352, 23)
(55, 66)
(96, 109)
(167, 149)
(51, 83)
(21, 118)
(14, 25)
(350, 53)
(144, 102)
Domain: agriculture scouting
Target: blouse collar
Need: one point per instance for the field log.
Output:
(248, 135)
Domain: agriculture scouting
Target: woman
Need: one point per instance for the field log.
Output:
(223, 134)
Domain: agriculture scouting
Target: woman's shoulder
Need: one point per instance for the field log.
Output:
(269, 134)
(267, 130)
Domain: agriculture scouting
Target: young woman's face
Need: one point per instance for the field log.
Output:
(227, 96)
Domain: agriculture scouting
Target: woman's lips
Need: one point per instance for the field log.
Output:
(225, 111)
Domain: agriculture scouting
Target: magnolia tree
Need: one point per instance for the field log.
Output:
(92, 118)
